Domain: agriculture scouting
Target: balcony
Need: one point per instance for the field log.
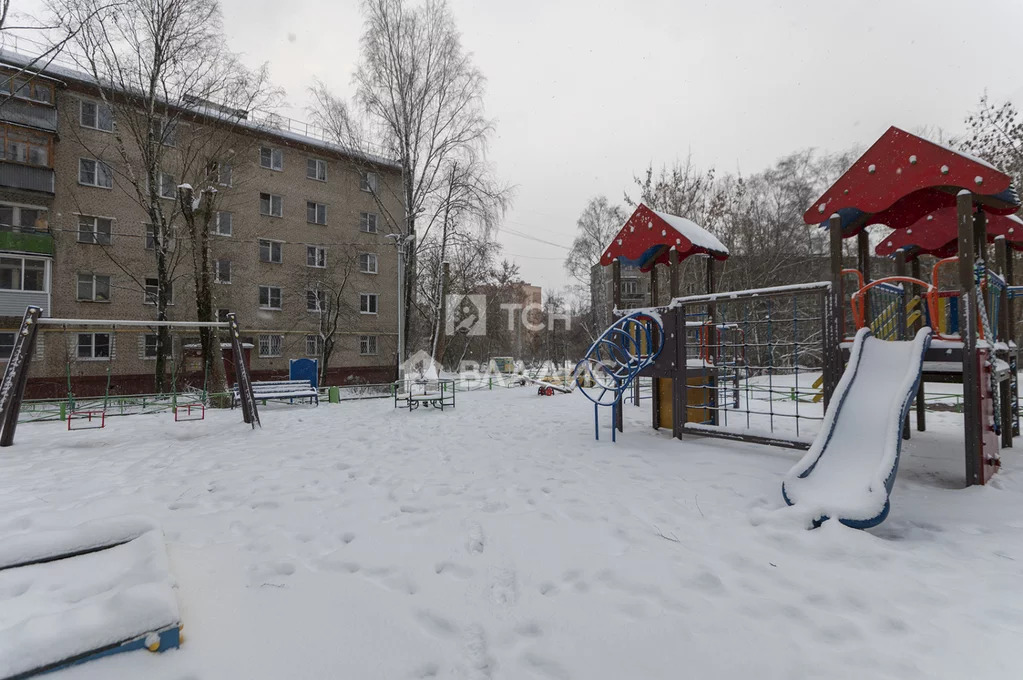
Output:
(24, 113)
(25, 240)
(30, 177)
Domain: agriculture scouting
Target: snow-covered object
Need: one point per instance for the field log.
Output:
(648, 237)
(37, 545)
(699, 236)
(55, 611)
(850, 468)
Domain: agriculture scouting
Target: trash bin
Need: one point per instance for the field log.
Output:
(334, 395)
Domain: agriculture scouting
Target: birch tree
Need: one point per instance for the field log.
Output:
(153, 62)
(420, 98)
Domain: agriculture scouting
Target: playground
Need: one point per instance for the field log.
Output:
(394, 545)
(702, 508)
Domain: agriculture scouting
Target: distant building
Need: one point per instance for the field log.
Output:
(635, 292)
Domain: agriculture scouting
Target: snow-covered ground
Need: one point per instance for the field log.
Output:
(499, 540)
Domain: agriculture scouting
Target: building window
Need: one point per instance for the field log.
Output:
(6, 346)
(313, 345)
(23, 218)
(165, 132)
(151, 238)
(368, 181)
(93, 288)
(316, 301)
(96, 116)
(270, 251)
(368, 263)
(149, 344)
(224, 174)
(271, 204)
(222, 271)
(368, 222)
(269, 297)
(95, 173)
(94, 229)
(94, 346)
(316, 169)
(271, 158)
(23, 146)
(168, 187)
(222, 315)
(315, 213)
(223, 223)
(270, 345)
(22, 273)
(152, 291)
(27, 87)
(315, 256)
(367, 344)
(368, 303)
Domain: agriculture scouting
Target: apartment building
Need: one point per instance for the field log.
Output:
(300, 227)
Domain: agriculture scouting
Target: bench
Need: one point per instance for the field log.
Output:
(411, 393)
(280, 389)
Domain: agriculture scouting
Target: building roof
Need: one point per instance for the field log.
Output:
(649, 236)
(902, 177)
(270, 126)
(937, 234)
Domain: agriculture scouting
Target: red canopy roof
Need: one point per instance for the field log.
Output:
(648, 236)
(936, 234)
(902, 177)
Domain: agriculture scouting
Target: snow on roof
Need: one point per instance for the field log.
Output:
(700, 237)
(14, 59)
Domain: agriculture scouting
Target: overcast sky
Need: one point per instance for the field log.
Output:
(586, 93)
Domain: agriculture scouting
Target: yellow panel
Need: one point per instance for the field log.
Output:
(696, 396)
(664, 415)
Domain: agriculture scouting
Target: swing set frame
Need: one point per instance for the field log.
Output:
(15, 377)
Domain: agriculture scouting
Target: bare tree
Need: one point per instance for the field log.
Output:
(597, 225)
(423, 101)
(152, 65)
(328, 295)
(995, 133)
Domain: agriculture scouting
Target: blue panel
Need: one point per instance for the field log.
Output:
(305, 369)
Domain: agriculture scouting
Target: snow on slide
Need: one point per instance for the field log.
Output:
(63, 610)
(850, 468)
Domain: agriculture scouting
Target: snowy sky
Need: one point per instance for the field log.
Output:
(588, 92)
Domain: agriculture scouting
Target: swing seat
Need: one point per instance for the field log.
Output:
(186, 412)
(87, 420)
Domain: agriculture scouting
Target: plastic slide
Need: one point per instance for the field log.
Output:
(849, 470)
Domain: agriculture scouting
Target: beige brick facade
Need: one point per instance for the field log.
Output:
(340, 242)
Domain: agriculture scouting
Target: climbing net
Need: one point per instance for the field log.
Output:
(755, 362)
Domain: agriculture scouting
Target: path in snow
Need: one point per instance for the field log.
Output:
(499, 540)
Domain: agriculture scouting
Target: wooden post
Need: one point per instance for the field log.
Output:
(1002, 334)
(674, 264)
(1010, 315)
(973, 425)
(616, 301)
(863, 264)
(833, 364)
(921, 406)
(678, 375)
(900, 317)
